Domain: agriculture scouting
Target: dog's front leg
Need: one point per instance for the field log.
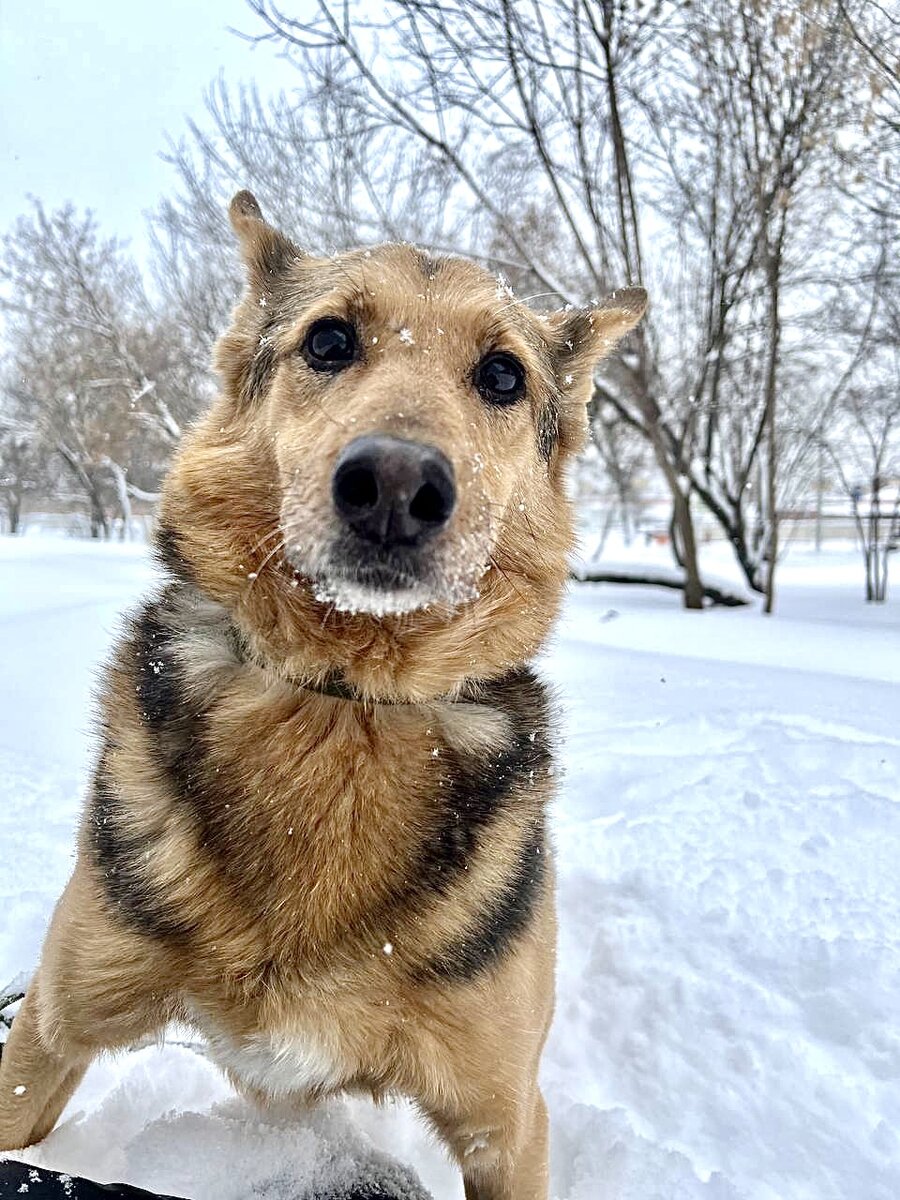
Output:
(35, 1081)
(97, 987)
(501, 1145)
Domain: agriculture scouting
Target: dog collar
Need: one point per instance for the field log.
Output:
(332, 684)
(336, 686)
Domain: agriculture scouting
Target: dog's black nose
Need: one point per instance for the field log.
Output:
(392, 491)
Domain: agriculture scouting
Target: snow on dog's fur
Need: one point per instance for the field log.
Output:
(316, 830)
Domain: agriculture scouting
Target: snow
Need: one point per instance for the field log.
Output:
(727, 841)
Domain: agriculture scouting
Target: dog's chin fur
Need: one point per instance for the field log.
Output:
(354, 596)
(343, 579)
(347, 593)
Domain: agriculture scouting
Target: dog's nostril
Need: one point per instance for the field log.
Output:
(357, 487)
(429, 505)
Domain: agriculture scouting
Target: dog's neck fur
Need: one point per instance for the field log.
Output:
(362, 659)
(200, 615)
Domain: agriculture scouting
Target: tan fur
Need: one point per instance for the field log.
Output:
(300, 934)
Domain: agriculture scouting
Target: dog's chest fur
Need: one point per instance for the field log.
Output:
(277, 1063)
(272, 832)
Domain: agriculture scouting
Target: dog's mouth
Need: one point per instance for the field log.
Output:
(378, 578)
(362, 580)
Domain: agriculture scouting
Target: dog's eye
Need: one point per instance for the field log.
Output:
(500, 378)
(330, 344)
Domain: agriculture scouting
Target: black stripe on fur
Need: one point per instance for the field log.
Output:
(479, 790)
(176, 724)
(495, 929)
(174, 721)
(477, 787)
(175, 727)
(168, 553)
(120, 860)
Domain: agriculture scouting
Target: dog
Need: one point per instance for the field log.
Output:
(316, 831)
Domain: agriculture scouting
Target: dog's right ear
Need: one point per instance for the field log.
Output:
(265, 251)
(245, 356)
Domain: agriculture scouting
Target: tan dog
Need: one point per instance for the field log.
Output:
(316, 831)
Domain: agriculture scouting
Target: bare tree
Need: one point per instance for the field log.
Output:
(96, 377)
(319, 167)
(863, 435)
(874, 486)
(623, 455)
(741, 130)
(21, 472)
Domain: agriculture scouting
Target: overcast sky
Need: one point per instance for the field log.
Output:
(90, 88)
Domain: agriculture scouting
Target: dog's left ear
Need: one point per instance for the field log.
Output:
(584, 336)
(265, 251)
(580, 338)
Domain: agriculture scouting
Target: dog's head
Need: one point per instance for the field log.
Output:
(386, 461)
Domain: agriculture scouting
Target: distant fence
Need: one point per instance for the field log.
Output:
(795, 525)
(72, 519)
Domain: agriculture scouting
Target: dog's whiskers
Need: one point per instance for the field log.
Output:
(498, 568)
(279, 546)
(501, 514)
(521, 300)
(267, 537)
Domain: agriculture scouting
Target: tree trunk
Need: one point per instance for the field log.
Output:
(820, 490)
(772, 544)
(878, 542)
(99, 520)
(683, 523)
(121, 485)
(674, 539)
(625, 510)
(604, 534)
(87, 478)
(862, 540)
(684, 544)
(731, 520)
(882, 593)
(773, 279)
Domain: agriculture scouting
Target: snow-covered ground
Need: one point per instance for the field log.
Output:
(728, 839)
